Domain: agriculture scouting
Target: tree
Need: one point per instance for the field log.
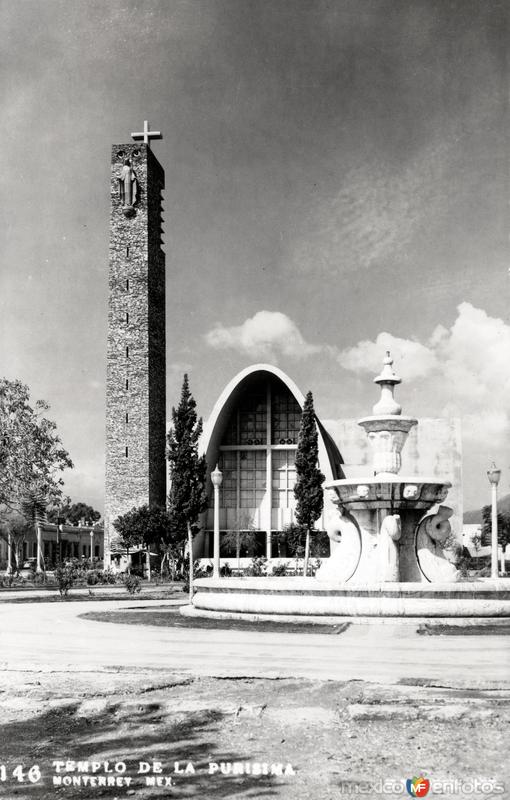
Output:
(187, 498)
(31, 454)
(241, 535)
(73, 513)
(130, 535)
(15, 529)
(309, 479)
(295, 540)
(171, 551)
(503, 526)
(145, 526)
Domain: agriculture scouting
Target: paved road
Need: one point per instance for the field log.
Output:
(52, 636)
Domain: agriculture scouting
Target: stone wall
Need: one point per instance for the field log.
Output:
(135, 383)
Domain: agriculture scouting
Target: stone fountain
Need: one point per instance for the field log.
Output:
(392, 547)
(390, 528)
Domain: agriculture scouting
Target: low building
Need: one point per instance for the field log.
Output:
(48, 544)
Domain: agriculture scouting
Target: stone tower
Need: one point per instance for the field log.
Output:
(135, 382)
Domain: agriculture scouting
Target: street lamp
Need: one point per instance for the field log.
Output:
(60, 530)
(217, 479)
(494, 475)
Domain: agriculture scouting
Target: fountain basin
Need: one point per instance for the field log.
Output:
(388, 422)
(305, 597)
(390, 491)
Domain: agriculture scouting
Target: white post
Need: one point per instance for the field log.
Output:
(502, 561)
(494, 531)
(39, 566)
(494, 475)
(91, 546)
(268, 499)
(216, 478)
(269, 472)
(148, 562)
(107, 534)
(216, 544)
(9, 554)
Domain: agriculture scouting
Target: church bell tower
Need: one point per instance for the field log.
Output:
(136, 368)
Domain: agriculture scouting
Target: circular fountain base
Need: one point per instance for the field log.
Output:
(306, 597)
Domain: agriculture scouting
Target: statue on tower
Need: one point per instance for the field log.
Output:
(128, 188)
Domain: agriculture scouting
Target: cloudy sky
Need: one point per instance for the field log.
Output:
(337, 182)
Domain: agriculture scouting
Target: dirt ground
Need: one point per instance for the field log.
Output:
(340, 739)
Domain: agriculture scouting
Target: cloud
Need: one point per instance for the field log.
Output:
(177, 369)
(376, 214)
(417, 359)
(265, 335)
(467, 368)
(85, 483)
(475, 355)
(462, 371)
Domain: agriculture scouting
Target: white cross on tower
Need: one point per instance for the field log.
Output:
(146, 134)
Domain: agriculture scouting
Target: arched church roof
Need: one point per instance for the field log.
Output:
(329, 456)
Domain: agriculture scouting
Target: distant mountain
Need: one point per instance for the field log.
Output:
(475, 517)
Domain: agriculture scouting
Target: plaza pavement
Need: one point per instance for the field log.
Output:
(53, 637)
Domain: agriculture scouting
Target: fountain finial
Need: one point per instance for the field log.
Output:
(387, 380)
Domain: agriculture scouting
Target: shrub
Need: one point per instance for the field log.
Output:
(107, 576)
(198, 572)
(314, 566)
(258, 567)
(226, 570)
(280, 570)
(132, 583)
(65, 575)
(295, 536)
(319, 544)
(138, 572)
(92, 578)
(12, 580)
(485, 572)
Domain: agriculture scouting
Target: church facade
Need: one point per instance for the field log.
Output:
(252, 436)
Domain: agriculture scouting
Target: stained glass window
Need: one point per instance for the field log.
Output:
(285, 418)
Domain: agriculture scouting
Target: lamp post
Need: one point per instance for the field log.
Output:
(217, 478)
(9, 554)
(60, 530)
(494, 475)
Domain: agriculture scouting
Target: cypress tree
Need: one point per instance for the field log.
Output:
(309, 479)
(187, 498)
